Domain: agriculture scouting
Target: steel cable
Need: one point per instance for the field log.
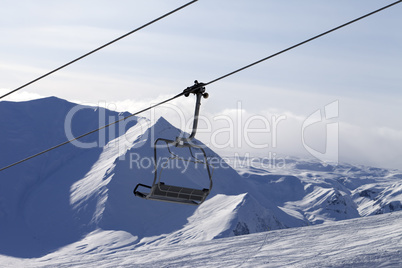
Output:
(196, 87)
(99, 48)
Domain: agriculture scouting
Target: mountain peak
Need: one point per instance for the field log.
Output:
(86, 189)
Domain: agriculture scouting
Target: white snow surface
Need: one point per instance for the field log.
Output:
(374, 241)
(75, 207)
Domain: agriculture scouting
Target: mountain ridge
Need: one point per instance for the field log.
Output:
(60, 198)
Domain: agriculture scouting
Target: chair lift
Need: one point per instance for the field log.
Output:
(171, 193)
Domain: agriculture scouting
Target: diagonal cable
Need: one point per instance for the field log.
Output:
(304, 42)
(99, 48)
(196, 87)
(88, 133)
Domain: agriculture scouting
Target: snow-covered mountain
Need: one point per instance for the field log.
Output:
(35, 211)
(59, 198)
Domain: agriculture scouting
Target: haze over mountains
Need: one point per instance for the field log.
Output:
(57, 199)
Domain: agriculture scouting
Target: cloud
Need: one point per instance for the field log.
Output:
(357, 66)
(20, 96)
(375, 146)
(274, 130)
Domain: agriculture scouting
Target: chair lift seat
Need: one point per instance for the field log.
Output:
(175, 194)
(169, 193)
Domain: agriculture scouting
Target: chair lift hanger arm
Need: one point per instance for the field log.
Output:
(199, 90)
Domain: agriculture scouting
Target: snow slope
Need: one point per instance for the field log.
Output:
(363, 242)
(81, 199)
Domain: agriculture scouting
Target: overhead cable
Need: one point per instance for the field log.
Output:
(99, 48)
(194, 88)
(304, 42)
(91, 132)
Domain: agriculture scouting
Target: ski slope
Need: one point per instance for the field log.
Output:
(374, 241)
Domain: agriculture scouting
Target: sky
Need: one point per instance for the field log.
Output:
(264, 110)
